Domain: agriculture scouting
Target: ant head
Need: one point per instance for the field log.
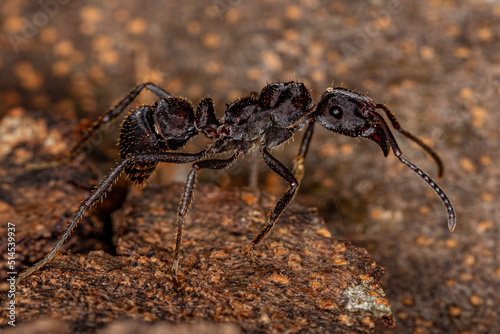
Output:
(174, 121)
(351, 114)
(289, 102)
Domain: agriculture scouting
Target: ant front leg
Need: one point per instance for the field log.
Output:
(107, 118)
(187, 197)
(282, 171)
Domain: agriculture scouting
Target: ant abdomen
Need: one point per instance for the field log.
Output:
(167, 125)
(137, 135)
(173, 120)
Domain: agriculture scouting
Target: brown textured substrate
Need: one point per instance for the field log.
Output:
(305, 279)
(302, 279)
(39, 202)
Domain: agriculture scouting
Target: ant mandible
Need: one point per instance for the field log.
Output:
(150, 134)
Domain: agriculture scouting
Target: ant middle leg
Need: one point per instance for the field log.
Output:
(285, 199)
(187, 197)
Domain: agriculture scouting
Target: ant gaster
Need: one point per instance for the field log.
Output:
(151, 133)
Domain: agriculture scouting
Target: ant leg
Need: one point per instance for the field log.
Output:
(101, 190)
(282, 171)
(96, 195)
(187, 196)
(113, 113)
(424, 146)
(107, 118)
(254, 171)
(299, 161)
(170, 157)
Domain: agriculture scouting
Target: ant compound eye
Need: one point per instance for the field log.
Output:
(336, 112)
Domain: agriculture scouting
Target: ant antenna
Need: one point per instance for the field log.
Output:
(427, 149)
(397, 151)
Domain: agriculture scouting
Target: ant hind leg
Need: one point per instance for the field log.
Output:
(96, 195)
(112, 114)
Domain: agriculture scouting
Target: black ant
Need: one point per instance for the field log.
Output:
(150, 134)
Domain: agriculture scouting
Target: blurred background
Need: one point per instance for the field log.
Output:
(436, 64)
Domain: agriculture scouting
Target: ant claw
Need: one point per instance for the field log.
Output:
(253, 258)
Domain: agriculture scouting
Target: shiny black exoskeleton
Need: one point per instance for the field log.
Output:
(152, 133)
(167, 125)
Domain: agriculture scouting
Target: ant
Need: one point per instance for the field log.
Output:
(151, 133)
